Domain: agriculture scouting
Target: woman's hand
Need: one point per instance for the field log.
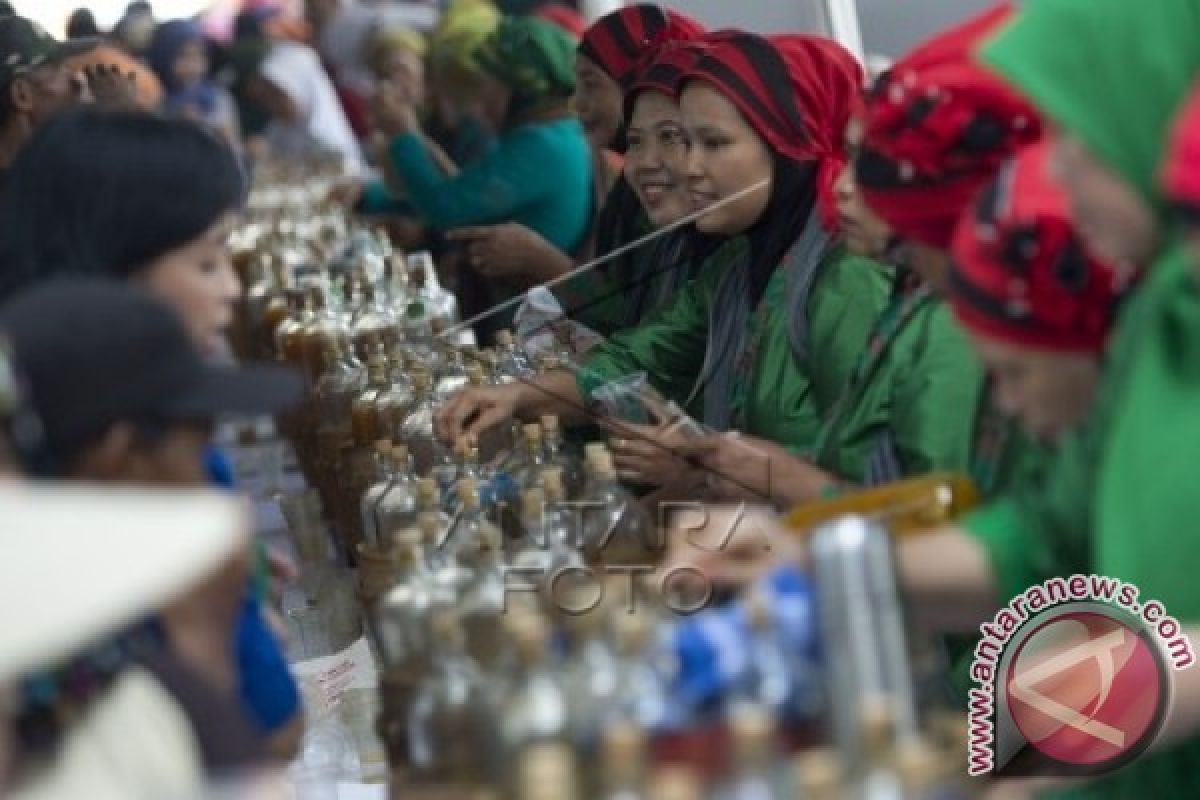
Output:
(511, 251)
(473, 411)
(739, 467)
(108, 87)
(649, 455)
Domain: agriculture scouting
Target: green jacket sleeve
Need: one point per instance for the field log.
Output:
(935, 394)
(378, 199)
(843, 307)
(671, 344)
(513, 175)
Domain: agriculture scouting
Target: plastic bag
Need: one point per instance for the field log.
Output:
(543, 329)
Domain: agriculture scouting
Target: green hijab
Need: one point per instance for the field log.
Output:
(1110, 72)
(534, 58)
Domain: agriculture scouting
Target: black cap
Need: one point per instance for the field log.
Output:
(95, 353)
(25, 46)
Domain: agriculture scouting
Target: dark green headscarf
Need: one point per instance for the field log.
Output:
(534, 58)
(1111, 72)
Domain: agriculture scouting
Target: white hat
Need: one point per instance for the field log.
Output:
(80, 563)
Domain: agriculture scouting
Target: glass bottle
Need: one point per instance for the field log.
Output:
(494, 441)
(513, 364)
(529, 473)
(755, 774)
(878, 779)
(396, 509)
(363, 420)
(334, 393)
(402, 614)
(369, 506)
(535, 708)
(396, 402)
(452, 376)
(767, 681)
(483, 603)
(470, 525)
(395, 282)
(624, 760)
(642, 696)
(417, 429)
(441, 303)
(452, 715)
(289, 335)
(373, 323)
(615, 526)
(556, 455)
(325, 324)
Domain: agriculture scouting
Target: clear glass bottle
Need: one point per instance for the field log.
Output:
(395, 282)
(452, 375)
(878, 777)
(470, 525)
(755, 774)
(369, 506)
(289, 335)
(396, 509)
(336, 389)
(418, 433)
(535, 708)
(452, 715)
(556, 454)
(642, 696)
(325, 324)
(767, 681)
(373, 323)
(484, 603)
(442, 304)
(513, 364)
(615, 526)
(363, 420)
(401, 617)
(529, 473)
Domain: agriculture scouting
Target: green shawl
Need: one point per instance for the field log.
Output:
(535, 59)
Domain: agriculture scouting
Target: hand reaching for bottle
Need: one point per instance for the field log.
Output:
(473, 411)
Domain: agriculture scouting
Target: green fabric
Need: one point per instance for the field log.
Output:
(1147, 501)
(511, 183)
(1111, 72)
(786, 400)
(1118, 496)
(533, 57)
(922, 389)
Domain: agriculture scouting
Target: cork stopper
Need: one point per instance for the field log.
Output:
(400, 456)
(550, 424)
(529, 636)
(675, 783)
(462, 446)
(919, 767)
(548, 362)
(377, 366)
(878, 727)
(753, 734)
(532, 433)
(475, 377)
(421, 380)
(427, 493)
(819, 774)
(593, 449)
(383, 447)
(406, 547)
(504, 338)
(547, 772)
(758, 610)
(429, 525)
(468, 493)
(624, 747)
(532, 502)
(602, 465)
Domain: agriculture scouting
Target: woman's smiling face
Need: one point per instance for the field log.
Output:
(656, 161)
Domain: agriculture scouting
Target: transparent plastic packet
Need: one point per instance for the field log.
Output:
(544, 329)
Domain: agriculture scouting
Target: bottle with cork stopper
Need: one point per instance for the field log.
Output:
(616, 529)
(546, 771)
(755, 769)
(556, 454)
(369, 505)
(819, 774)
(536, 708)
(397, 506)
(624, 762)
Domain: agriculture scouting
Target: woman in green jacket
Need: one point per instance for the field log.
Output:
(529, 78)
(773, 323)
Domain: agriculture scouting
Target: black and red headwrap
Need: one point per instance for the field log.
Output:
(1021, 274)
(1181, 171)
(937, 126)
(623, 42)
(797, 91)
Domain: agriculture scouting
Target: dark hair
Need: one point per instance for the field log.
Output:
(104, 193)
(82, 24)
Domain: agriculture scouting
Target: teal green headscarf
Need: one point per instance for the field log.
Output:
(1111, 72)
(534, 58)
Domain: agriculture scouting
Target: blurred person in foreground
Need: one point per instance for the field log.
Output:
(124, 399)
(97, 194)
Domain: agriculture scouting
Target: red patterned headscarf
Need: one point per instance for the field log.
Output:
(623, 42)
(797, 91)
(1021, 273)
(1181, 173)
(937, 126)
